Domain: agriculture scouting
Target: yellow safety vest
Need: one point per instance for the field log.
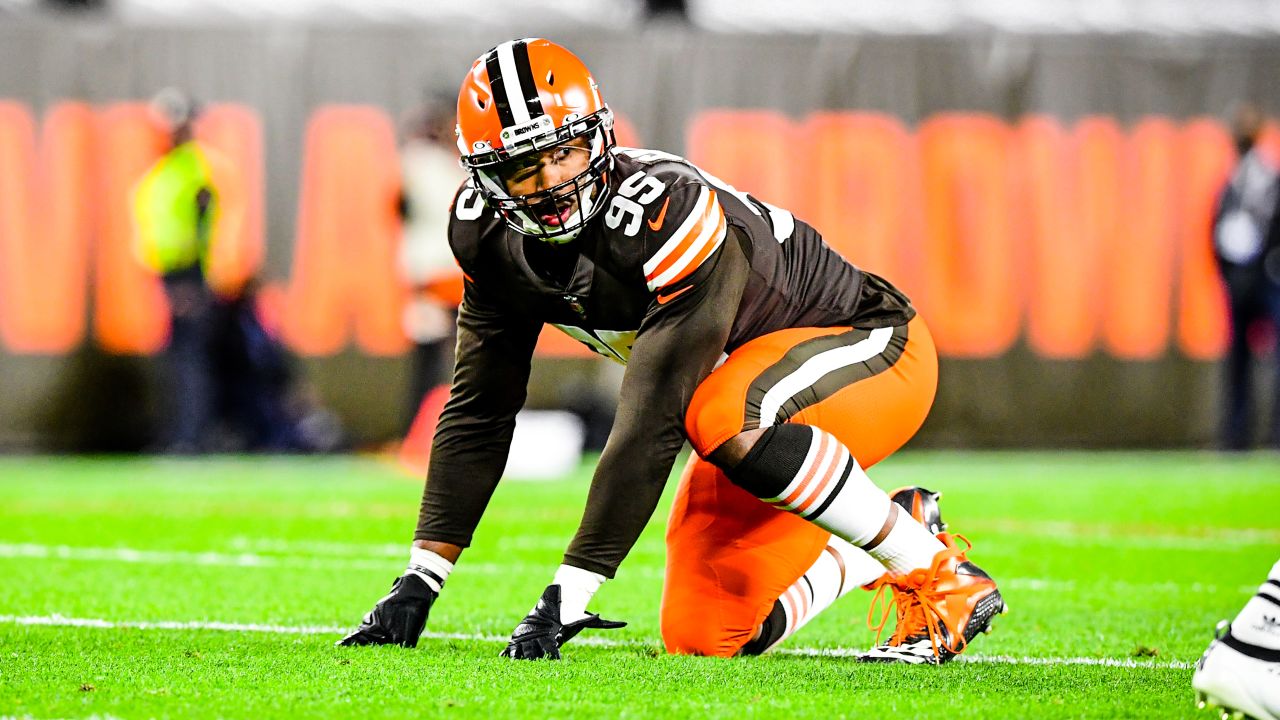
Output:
(170, 234)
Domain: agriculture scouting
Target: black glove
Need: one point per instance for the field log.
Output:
(540, 634)
(398, 618)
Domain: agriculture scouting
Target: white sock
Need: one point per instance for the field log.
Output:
(832, 491)
(430, 566)
(840, 568)
(577, 586)
(1258, 623)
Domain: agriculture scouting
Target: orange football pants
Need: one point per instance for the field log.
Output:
(729, 555)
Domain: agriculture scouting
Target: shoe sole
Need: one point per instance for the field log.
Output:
(1206, 701)
(988, 625)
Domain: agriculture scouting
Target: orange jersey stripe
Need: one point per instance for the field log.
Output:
(711, 210)
(711, 246)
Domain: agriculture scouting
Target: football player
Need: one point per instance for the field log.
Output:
(789, 370)
(1239, 674)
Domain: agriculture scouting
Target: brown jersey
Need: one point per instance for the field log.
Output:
(677, 269)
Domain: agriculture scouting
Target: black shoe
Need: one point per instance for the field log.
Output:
(923, 506)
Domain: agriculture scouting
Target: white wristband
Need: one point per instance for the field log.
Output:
(577, 586)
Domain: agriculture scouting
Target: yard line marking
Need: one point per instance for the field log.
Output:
(250, 560)
(328, 563)
(1064, 532)
(57, 620)
(330, 548)
(1103, 534)
(1015, 660)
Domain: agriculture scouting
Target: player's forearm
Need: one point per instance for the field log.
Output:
(466, 464)
(625, 491)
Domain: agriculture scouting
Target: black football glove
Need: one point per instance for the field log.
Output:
(398, 618)
(541, 634)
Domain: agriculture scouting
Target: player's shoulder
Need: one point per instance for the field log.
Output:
(669, 169)
(684, 223)
(472, 224)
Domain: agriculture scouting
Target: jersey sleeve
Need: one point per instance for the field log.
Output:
(490, 380)
(678, 345)
(683, 237)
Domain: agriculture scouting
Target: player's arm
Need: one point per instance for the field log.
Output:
(473, 437)
(467, 458)
(696, 284)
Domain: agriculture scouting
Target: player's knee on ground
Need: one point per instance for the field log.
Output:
(686, 631)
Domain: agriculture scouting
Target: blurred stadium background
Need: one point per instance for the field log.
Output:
(1039, 176)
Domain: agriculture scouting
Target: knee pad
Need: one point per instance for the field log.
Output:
(775, 460)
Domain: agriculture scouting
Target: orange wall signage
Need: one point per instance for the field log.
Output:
(1073, 238)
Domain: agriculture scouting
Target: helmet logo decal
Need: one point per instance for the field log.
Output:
(527, 131)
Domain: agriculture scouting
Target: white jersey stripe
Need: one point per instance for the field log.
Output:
(511, 82)
(677, 237)
(818, 366)
(713, 232)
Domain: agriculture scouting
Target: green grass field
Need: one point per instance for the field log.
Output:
(138, 588)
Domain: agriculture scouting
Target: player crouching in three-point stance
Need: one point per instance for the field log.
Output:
(789, 370)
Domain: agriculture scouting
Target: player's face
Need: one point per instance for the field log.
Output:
(536, 172)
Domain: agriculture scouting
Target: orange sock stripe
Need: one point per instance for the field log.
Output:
(832, 473)
(790, 604)
(823, 441)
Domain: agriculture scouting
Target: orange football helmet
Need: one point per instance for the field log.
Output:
(522, 97)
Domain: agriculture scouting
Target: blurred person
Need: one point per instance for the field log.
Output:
(1240, 670)
(175, 209)
(1246, 240)
(431, 174)
(788, 369)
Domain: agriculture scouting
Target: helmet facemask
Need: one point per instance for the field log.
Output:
(534, 214)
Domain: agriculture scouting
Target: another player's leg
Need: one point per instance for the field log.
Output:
(1240, 672)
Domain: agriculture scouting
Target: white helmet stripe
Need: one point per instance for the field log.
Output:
(511, 82)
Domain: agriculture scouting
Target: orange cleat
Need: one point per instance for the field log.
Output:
(940, 609)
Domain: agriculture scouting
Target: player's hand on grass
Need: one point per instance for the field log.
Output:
(398, 618)
(541, 633)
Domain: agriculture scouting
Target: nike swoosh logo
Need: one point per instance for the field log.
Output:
(656, 223)
(664, 299)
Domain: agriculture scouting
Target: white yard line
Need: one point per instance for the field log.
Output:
(319, 561)
(1100, 534)
(97, 623)
(325, 562)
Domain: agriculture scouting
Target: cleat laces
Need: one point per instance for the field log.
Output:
(919, 603)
